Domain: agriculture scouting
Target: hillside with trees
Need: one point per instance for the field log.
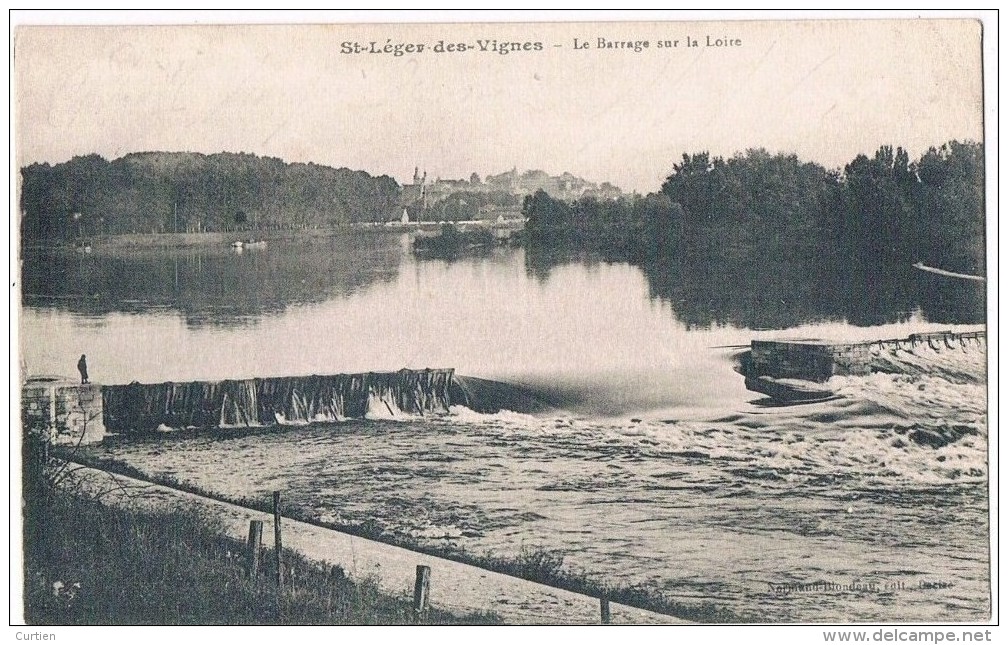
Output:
(158, 192)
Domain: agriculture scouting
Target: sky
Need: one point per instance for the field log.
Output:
(826, 90)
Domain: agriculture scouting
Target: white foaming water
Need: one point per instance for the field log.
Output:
(462, 414)
(885, 484)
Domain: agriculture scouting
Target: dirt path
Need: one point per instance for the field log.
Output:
(453, 586)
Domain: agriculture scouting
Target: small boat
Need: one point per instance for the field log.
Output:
(789, 390)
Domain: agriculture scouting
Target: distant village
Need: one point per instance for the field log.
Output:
(492, 197)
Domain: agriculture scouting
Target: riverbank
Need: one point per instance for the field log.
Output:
(94, 563)
(457, 588)
(182, 240)
(194, 240)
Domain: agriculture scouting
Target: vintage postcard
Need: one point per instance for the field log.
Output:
(664, 322)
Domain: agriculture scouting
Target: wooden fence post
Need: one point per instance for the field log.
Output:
(277, 540)
(254, 547)
(604, 604)
(421, 589)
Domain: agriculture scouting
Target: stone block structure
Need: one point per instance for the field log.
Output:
(65, 411)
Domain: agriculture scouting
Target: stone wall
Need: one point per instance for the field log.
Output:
(818, 361)
(66, 411)
(807, 361)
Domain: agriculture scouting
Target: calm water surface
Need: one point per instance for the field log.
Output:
(659, 468)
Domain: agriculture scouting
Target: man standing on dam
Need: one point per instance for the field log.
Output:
(82, 368)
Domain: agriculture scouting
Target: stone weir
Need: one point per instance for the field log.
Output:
(286, 400)
(814, 360)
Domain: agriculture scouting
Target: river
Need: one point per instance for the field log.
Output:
(658, 468)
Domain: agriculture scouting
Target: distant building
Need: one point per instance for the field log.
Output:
(414, 196)
(421, 194)
(565, 186)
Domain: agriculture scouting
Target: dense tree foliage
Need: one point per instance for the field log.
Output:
(163, 192)
(785, 240)
(470, 205)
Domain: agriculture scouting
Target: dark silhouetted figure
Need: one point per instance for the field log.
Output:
(82, 368)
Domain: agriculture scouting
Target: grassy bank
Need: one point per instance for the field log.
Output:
(88, 563)
(534, 564)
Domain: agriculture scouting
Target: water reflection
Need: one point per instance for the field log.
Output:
(210, 286)
(216, 287)
(783, 292)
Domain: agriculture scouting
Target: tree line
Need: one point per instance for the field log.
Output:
(158, 192)
(877, 210)
(785, 235)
